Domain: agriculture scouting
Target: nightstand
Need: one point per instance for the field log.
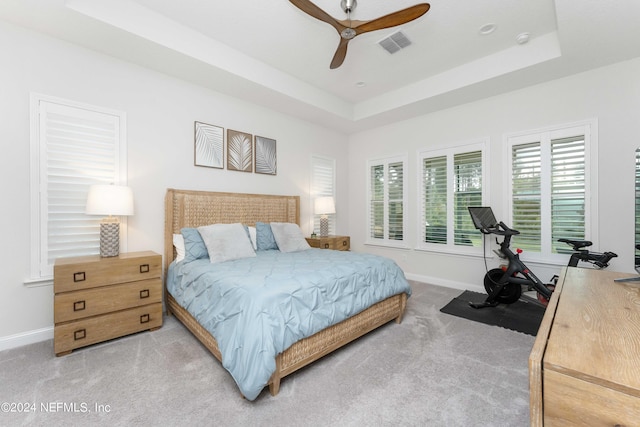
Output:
(97, 299)
(339, 243)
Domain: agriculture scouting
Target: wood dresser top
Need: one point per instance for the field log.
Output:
(596, 330)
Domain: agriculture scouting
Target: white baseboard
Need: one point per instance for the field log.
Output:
(24, 338)
(446, 283)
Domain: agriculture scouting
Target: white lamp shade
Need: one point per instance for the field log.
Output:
(324, 205)
(109, 200)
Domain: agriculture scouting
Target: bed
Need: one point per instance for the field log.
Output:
(192, 209)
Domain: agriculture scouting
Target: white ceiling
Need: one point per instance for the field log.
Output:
(273, 54)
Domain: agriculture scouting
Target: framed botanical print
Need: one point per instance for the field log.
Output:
(239, 151)
(265, 155)
(209, 145)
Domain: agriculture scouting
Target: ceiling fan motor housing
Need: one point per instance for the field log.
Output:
(348, 5)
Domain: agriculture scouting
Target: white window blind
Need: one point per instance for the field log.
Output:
(451, 181)
(434, 172)
(386, 201)
(75, 147)
(467, 192)
(323, 184)
(550, 189)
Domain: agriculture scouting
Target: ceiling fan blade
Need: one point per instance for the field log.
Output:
(393, 19)
(341, 52)
(311, 9)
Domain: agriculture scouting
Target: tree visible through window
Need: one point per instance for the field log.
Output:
(550, 189)
(452, 180)
(387, 200)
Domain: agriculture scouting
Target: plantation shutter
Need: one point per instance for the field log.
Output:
(434, 174)
(78, 147)
(527, 195)
(567, 191)
(376, 208)
(396, 201)
(468, 192)
(322, 184)
(386, 200)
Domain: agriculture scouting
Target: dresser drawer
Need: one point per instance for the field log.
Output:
(91, 302)
(342, 243)
(92, 330)
(72, 274)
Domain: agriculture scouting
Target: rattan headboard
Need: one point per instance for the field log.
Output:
(187, 208)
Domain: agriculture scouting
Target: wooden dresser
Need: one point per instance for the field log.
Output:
(338, 243)
(97, 299)
(584, 368)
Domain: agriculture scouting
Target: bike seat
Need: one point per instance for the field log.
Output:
(577, 244)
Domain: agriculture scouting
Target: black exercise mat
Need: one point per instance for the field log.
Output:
(520, 316)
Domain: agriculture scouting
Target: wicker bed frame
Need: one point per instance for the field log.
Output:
(185, 208)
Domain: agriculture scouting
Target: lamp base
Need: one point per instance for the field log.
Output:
(324, 226)
(109, 239)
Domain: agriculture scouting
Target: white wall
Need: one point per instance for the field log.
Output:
(611, 95)
(160, 114)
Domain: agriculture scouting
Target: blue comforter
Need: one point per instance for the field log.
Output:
(257, 307)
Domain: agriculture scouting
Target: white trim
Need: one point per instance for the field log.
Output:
(438, 281)
(25, 338)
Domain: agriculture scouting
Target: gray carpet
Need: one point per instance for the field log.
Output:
(433, 369)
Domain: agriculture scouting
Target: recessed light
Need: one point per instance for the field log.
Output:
(361, 84)
(487, 29)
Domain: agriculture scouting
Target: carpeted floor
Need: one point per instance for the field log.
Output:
(433, 369)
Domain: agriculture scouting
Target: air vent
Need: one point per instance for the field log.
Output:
(395, 42)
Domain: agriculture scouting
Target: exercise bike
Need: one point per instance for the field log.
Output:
(505, 285)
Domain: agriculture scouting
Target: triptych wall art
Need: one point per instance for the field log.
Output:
(245, 153)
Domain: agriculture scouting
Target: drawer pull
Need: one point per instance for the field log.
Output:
(344, 243)
(78, 305)
(79, 277)
(326, 246)
(144, 268)
(144, 293)
(145, 318)
(80, 334)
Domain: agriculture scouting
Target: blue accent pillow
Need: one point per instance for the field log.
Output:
(194, 247)
(264, 237)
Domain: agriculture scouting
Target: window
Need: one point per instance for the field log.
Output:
(550, 195)
(72, 147)
(323, 182)
(386, 201)
(452, 179)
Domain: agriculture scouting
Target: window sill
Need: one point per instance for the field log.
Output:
(37, 283)
(388, 245)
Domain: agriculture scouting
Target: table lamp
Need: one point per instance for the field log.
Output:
(111, 200)
(324, 206)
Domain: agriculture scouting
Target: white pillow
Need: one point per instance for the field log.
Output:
(178, 243)
(289, 237)
(252, 235)
(226, 242)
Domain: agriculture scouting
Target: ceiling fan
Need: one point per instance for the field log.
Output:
(348, 29)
